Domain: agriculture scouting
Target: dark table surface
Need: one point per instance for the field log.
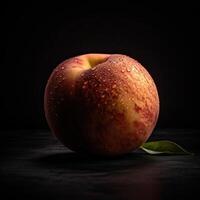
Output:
(33, 165)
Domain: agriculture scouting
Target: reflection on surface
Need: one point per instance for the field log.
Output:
(136, 183)
(130, 177)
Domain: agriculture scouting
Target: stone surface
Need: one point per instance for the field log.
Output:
(33, 164)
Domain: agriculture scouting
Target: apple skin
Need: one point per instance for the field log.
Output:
(101, 104)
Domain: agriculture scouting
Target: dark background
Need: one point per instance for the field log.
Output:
(37, 37)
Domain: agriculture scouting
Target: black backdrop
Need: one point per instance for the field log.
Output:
(37, 37)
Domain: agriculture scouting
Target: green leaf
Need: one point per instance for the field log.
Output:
(163, 147)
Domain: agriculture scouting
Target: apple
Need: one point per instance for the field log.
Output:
(101, 104)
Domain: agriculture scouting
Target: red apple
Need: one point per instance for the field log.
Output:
(101, 104)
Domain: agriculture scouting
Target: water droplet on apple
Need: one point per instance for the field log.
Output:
(123, 70)
(126, 77)
(85, 82)
(83, 86)
(114, 86)
(108, 69)
(102, 96)
(62, 67)
(93, 68)
(128, 69)
(104, 80)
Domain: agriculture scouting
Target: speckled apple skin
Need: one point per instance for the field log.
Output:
(101, 104)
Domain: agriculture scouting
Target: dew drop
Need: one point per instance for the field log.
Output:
(108, 69)
(104, 80)
(62, 67)
(102, 96)
(114, 86)
(122, 70)
(83, 86)
(85, 82)
(128, 69)
(93, 68)
(106, 89)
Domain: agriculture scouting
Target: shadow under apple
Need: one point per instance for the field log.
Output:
(74, 161)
